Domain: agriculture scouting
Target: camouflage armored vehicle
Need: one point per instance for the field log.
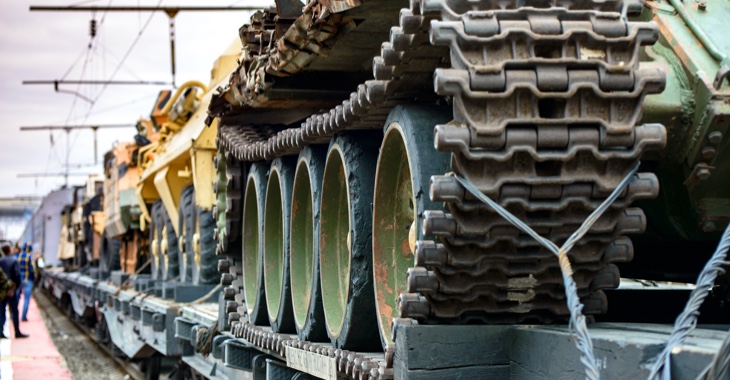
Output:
(357, 142)
(124, 246)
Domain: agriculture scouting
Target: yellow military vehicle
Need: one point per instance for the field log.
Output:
(175, 191)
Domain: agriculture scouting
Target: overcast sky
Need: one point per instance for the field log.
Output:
(51, 45)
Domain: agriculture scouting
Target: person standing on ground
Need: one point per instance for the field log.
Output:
(9, 265)
(27, 276)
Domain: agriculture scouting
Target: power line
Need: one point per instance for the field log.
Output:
(124, 58)
(120, 105)
(69, 127)
(35, 175)
(74, 64)
(168, 9)
(57, 82)
(171, 12)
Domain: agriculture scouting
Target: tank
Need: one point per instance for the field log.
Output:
(357, 142)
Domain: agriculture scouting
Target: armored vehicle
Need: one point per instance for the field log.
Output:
(361, 142)
(386, 170)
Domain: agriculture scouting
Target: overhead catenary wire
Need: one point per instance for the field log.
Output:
(83, 2)
(120, 105)
(73, 65)
(121, 62)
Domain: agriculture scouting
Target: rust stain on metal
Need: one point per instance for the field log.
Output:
(405, 247)
(385, 309)
(380, 268)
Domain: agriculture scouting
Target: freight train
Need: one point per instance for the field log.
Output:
(376, 189)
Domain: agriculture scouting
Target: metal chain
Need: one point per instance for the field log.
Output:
(687, 321)
(577, 319)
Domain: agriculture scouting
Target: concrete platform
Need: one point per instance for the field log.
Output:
(35, 357)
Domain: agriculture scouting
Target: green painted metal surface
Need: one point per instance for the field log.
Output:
(335, 242)
(694, 169)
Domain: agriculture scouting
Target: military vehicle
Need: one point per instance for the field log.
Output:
(360, 204)
(386, 170)
(174, 191)
(87, 223)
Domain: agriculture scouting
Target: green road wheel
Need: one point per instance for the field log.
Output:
(276, 245)
(405, 165)
(346, 243)
(304, 245)
(253, 222)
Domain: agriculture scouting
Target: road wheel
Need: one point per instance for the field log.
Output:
(155, 240)
(169, 264)
(304, 245)
(253, 221)
(110, 256)
(186, 227)
(346, 242)
(203, 246)
(276, 245)
(405, 165)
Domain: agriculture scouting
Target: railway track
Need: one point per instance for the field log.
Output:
(46, 300)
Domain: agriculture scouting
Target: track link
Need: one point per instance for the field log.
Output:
(545, 96)
(227, 211)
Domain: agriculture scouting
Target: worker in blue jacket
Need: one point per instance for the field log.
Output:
(9, 265)
(27, 276)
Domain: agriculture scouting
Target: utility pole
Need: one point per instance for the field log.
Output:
(67, 129)
(171, 12)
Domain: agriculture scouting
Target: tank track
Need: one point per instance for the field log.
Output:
(227, 210)
(545, 104)
(403, 72)
(354, 365)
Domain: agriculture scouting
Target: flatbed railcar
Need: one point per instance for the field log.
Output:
(369, 161)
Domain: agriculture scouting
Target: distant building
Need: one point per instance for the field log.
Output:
(44, 227)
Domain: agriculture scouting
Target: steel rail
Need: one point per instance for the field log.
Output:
(127, 367)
